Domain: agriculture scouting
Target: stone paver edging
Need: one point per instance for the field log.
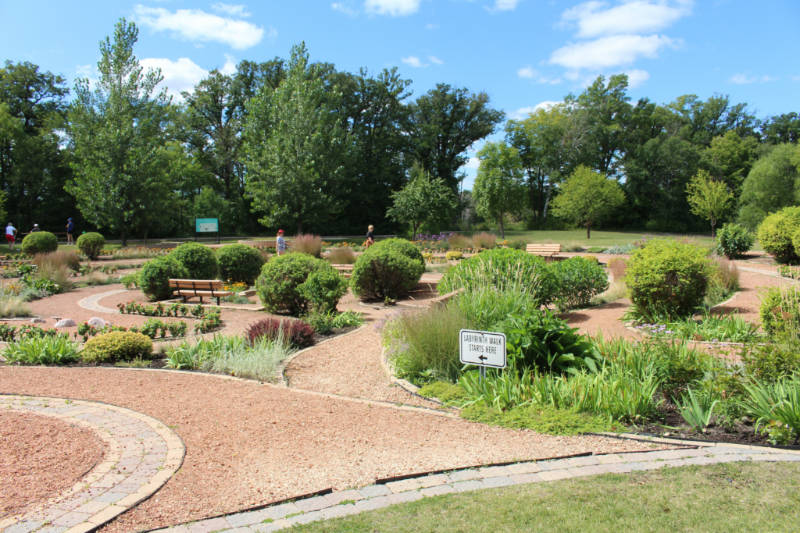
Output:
(348, 502)
(142, 454)
(91, 303)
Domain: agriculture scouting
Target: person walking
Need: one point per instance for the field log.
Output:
(35, 228)
(70, 230)
(11, 235)
(370, 236)
(280, 243)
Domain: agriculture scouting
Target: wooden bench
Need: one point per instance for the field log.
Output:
(188, 288)
(545, 250)
(345, 269)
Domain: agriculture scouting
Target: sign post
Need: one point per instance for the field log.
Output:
(207, 225)
(482, 348)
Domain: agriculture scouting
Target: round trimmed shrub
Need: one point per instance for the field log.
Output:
(296, 332)
(200, 261)
(776, 231)
(780, 311)
(667, 279)
(388, 269)
(504, 269)
(277, 285)
(39, 242)
(117, 346)
(323, 288)
(91, 244)
(156, 273)
(579, 279)
(733, 240)
(239, 263)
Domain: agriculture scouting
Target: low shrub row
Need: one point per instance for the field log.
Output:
(159, 309)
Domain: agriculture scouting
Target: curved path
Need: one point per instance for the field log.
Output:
(142, 454)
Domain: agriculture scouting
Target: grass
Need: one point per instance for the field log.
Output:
(725, 497)
(605, 239)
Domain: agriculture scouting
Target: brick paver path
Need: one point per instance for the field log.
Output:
(142, 455)
(348, 502)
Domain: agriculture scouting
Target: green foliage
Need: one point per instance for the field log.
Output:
(780, 311)
(40, 242)
(499, 188)
(539, 418)
(773, 361)
(716, 328)
(667, 278)
(91, 244)
(239, 263)
(155, 275)
(587, 198)
(278, 284)
(579, 280)
(697, 409)
(776, 231)
(708, 198)
(389, 269)
(325, 323)
(117, 346)
(447, 393)
(734, 240)
(199, 260)
(504, 269)
(486, 306)
(453, 255)
(424, 200)
(41, 350)
(771, 185)
(776, 409)
(323, 288)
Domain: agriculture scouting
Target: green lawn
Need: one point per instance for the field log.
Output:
(725, 497)
(605, 239)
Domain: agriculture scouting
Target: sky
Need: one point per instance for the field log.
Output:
(522, 53)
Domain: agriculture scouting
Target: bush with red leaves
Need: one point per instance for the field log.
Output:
(297, 332)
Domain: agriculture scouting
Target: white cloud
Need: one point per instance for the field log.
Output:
(531, 73)
(435, 60)
(229, 68)
(180, 75)
(527, 72)
(234, 10)
(413, 61)
(595, 19)
(637, 77)
(197, 25)
(610, 51)
(744, 79)
(505, 5)
(472, 162)
(395, 8)
(343, 8)
(524, 112)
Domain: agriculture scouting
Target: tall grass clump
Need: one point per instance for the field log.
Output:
(342, 255)
(307, 244)
(59, 258)
(775, 408)
(484, 240)
(504, 270)
(486, 307)
(459, 242)
(723, 280)
(233, 356)
(12, 306)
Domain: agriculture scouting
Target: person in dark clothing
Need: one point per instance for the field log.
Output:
(70, 230)
(370, 236)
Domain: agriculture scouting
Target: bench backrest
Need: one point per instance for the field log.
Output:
(197, 284)
(543, 248)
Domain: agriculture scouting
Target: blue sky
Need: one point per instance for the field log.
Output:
(521, 52)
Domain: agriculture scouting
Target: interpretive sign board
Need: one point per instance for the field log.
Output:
(206, 225)
(482, 348)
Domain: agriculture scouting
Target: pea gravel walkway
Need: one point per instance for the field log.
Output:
(142, 455)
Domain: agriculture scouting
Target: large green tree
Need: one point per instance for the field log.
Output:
(295, 146)
(444, 123)
(499, 186)
(773, 183)
(587, 198)
(708, 198)
(118, 133)
(424, 200)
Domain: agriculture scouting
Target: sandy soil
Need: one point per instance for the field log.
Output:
(40, 457)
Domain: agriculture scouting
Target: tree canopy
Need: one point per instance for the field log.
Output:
(587, 198)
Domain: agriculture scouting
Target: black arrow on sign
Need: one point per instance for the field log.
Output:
(482, 357)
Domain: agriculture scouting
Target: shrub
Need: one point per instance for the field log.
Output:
(39, 242)
(503, 269)
(323, 288)
(231, 356)
(579, 279)
(277, 286)
(667, 279)
(324, 323)
(780, 311)
(200, 261)
(773, 361)
(486, 306)
(389, 269)
(91, 244)
(453, 255)
(733, 240)
(775, 408)
(307, 244)
(296, 332)
(42, 350)
(117, 346)
(484, 240)
(155, 275)
(343, 255)
(776, 231)
(239, 263)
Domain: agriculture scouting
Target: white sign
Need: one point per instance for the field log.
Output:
(483, 348)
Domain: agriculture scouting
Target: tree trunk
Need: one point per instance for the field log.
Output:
(713, 227)
(124, 237)
(502, 230)
(589, 230)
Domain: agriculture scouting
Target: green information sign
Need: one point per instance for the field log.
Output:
(206, 225)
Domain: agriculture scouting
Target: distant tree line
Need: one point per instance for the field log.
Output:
(301, 145)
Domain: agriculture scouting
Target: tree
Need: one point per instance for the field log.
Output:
(424, 200)
(587, 198)
(118, 136)
(730, 157)
(295, 147)
(772, 184)
(444, 123)
(499, 186)
(780, 129)
(708, 198)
